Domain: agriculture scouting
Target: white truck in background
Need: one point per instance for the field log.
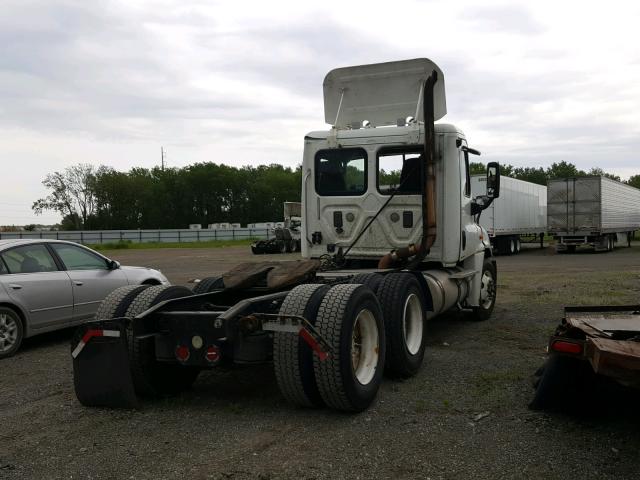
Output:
(380, 258)
(521, 211)
(595, 211)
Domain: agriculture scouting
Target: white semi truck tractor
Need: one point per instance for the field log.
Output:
(382, 255)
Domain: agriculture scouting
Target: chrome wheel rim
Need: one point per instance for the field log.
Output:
(365, 347)
(487, 290)
(412, 324)
(8, 332)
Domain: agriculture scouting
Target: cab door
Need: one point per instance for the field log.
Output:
(469, 230)
(34, 282)
(91, 278)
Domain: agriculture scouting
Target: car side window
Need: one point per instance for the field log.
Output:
(78, 258)
(29, 259)
(3, 268)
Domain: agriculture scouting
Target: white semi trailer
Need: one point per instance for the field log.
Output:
(595, 211)
(379, 261)
(521, 211)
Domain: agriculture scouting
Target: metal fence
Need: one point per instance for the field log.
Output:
(144, 236)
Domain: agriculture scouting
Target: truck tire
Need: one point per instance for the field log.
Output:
(488, 291)
(292, 356)
(115, 304)
(208, 284)
(511, 245)
(283, 246)
(11, 332)
(563, 384)
(518, 245)
(150, 377)
(402, 301)
(371, 280)
(350, 320)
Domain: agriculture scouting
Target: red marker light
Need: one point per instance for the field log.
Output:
(182, 353)
(566, 347)
(212, 354)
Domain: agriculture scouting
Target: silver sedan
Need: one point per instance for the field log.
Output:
(50, 284)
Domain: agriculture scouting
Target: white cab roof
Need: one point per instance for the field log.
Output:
(381, 93)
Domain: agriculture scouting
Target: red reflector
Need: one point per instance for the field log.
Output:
(182, 353)
(212, 354)
(566, 347)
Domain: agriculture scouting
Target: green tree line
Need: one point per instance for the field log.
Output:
(542, 175)
(102, 198)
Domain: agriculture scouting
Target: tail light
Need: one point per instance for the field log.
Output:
(212, 354)
(182, 353)
(563, 346)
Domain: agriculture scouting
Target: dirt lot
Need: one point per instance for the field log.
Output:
(234, 424)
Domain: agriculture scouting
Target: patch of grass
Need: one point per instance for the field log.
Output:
(601, 288)
(493, 387)
(128, 245)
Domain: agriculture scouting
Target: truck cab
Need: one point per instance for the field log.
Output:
(346, 183)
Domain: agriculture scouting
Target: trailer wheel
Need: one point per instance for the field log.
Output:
(350, 320)
(292, 356)
(150, 377)
(518, 245)
(563, 384)
(488, 291)
(208, 284)
(371, 280)
(402, 302)
(283, 246)
(115, 304)
(511, 243)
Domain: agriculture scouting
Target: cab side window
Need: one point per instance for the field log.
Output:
(78, 258)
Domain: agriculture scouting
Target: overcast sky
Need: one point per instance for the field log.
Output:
(109, 82)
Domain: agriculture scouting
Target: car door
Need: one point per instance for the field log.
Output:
(91, 277)
(36, 284)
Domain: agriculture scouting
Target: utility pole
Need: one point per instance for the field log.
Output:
(162, 155)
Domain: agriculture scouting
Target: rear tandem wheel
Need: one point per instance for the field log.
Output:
(350, 320)
(292, 357)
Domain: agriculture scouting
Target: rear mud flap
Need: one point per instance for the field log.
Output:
(101, 370)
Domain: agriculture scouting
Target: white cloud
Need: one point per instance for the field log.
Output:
(109, 82)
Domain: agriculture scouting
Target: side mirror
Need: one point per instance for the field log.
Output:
(493, 180)
(113, 264)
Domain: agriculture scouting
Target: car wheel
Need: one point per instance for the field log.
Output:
(11, 332)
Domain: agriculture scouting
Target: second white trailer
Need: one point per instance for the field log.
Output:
(521, 210)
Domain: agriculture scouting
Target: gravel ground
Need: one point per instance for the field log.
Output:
(234, 424)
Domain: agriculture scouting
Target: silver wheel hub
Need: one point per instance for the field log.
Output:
(487, 290)
(8, 332)
(365, 345)
(412, 324)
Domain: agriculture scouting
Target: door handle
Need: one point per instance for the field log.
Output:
(78, 283)
(15, 286)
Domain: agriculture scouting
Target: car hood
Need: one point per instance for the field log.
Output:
(141, 274)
